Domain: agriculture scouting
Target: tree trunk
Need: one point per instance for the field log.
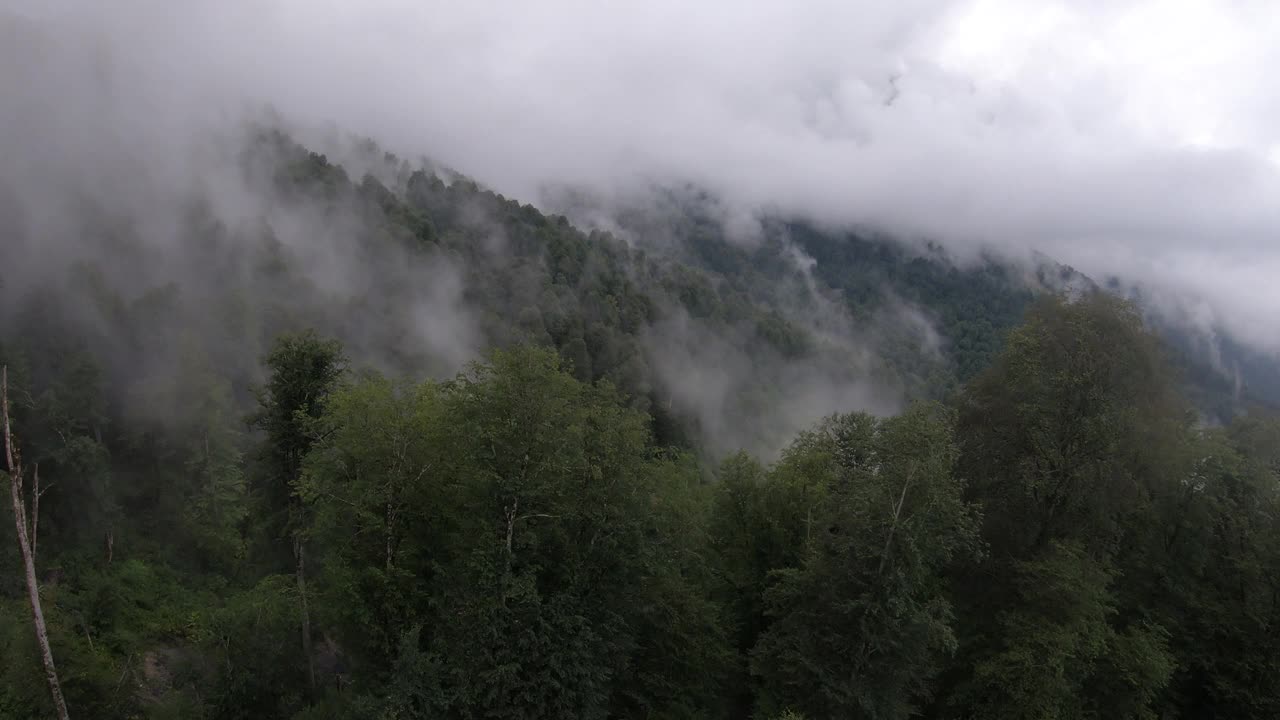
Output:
(33, 594)
(28, 555)
(510, 554)
(390, 534)
(893, 527)
(299, 554)
(35, 510)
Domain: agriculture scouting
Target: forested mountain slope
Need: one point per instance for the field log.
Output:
(955, 311)
(272, 484)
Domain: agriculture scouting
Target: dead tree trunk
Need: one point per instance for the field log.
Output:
(26, 546)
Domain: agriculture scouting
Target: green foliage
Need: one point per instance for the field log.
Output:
(540, 537)
(1062, 435)
(510, 516)
(183, 461)
(974, 308)
(380, 503)
(1046, 641)
(253, 667)
(1220, 583)
(1072, 437)
(863, 624)
(303, 368)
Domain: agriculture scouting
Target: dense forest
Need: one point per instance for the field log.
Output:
(447, 456)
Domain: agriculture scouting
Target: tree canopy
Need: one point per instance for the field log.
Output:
(245, 513)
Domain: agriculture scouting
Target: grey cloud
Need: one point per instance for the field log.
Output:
(737, 400)
(124, 185)
(1130, 138)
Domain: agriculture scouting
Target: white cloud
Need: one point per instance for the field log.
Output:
(1133, 137)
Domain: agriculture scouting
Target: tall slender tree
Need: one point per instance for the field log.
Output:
(305, 368)
(26, 545)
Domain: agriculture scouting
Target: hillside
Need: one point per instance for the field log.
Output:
(360, 438)
(697, 337)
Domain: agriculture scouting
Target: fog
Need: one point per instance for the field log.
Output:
(1136, 139)
(126, 193)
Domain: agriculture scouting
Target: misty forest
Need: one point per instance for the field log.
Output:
(251, 491)
(301, 425)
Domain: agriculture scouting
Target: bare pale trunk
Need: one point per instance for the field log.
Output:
(893, 527)
(35, 509)
(33, 594)
(28, 553)
(510, 555)
(390, 534)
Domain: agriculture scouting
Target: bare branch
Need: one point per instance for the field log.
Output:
(342, 500)
(537, 515)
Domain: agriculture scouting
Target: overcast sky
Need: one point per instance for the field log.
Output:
(1139, 138)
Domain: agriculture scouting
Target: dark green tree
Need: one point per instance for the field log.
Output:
(863, 624)
(305, 369)
(1067, 440)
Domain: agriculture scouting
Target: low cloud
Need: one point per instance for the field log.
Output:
(734, 392)
(1134, 138)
